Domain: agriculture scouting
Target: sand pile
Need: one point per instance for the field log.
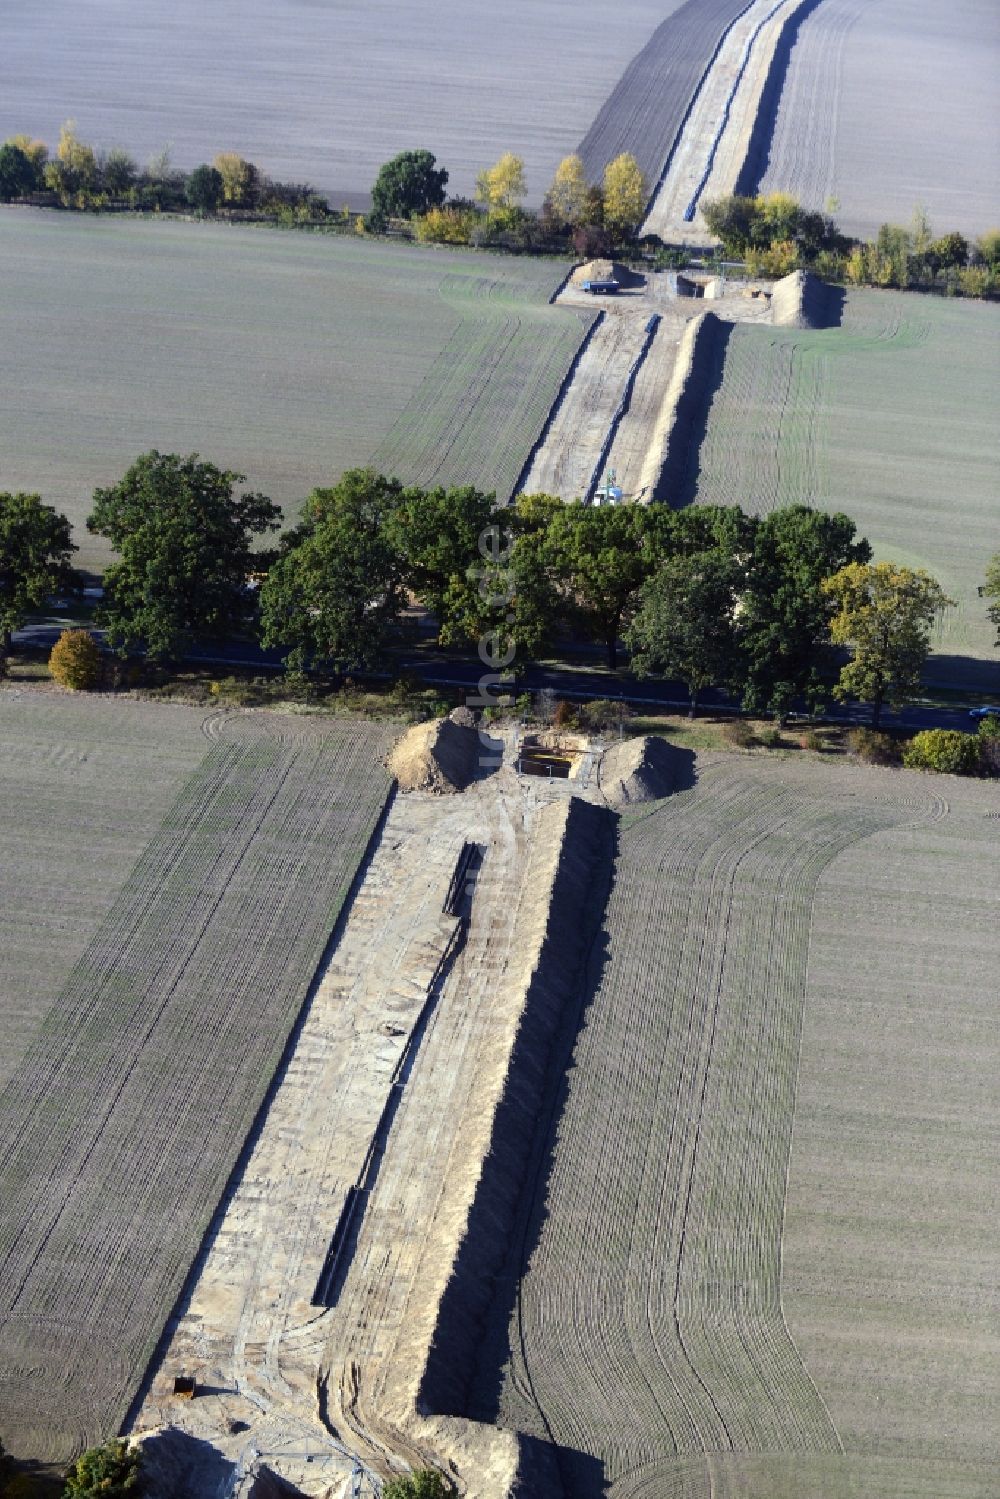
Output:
(606, 270)
(638, 770)
(802, 300)
(441, 756)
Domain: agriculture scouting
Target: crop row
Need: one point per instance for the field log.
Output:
(649, 1325)
(126, 1116)
(645, 111)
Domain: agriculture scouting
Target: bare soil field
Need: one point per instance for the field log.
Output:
(68, 837)
(889, 418)
(887, 105)
(676, 1327)
(284, 356)
(324, 93)
(646, 109)
(131, 1100)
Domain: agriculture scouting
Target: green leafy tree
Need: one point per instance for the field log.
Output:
(435, 533)
(37, 153)
(624, 195)
(113, 1471)
(883, 614)
(946, 750)
(411, 183)
(204, 188)
(335, 594)
(508, 604)
(686, 623)
(991, 590)
(118, 172)
(424, 1484)
(784, 614)
(598, 558)
(35, 551)
(184, 537)
(17, 175)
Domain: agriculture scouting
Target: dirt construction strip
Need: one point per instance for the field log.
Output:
(712, 147)
(645, 111)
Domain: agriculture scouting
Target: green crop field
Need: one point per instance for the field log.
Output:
(139, 1049)
(890, 418)
(759, 1265)
(288, 357)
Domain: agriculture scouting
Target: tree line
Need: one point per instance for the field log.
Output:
(77, 175)
(773, 235)
(761, 607)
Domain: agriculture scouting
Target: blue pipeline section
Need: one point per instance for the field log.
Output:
(689, 211)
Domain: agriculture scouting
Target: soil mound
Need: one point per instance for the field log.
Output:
(440, 756)
(638, 770)
(607, 270)
(802, 300)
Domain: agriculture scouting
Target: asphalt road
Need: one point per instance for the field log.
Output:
(441, 669)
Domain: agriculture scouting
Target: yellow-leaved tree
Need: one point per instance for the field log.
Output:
(624, 194)
(502, 185)
(240, 178)
(73, 171)
(75, 661)
(569, 195)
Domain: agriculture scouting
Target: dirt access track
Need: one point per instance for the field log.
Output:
(336, 1297)
(618, 404)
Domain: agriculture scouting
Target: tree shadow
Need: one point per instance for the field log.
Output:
(757, 159)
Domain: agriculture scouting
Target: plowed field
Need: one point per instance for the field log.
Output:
(659, 1336)
(287, 357)
(130, 1101)
(323, 92)
(889, 418)
(888, 105)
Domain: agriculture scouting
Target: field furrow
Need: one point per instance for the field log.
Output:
(887, 418)
(199, 969)
(646, 109)
(890, 105)
(648, 1325)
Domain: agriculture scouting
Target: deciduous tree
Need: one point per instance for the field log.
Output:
(75, 661)
(37, 153)
(72, 173)
(502, 185)
(184, 537)
(883, 615)
(624, 194)
(35, 552)
(435, 534)
(570, 195)
(204, 188)
(411, 183)
(335, 595)
(784, 612)
(109, 1472)
(599, 557)
(240, 179)
(118, 172)
(686, 623)
(17, 175)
